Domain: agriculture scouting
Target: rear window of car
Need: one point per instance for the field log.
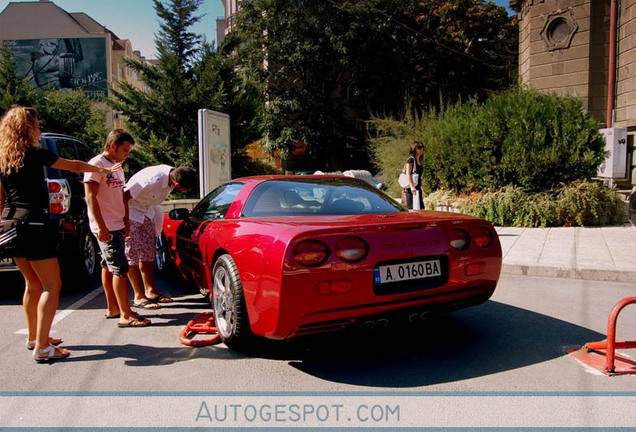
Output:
(329, 196)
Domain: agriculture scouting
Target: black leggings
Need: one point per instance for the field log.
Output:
(409, 198)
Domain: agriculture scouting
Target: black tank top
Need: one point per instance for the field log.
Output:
(26, 188)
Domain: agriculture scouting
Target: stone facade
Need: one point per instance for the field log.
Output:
(564, 48)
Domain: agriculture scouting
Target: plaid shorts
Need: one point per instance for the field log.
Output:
(113, 255)
(140, 243)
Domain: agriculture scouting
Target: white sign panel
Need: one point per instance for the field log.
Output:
(215, 165)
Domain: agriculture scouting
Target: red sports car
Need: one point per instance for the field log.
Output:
(285, 256)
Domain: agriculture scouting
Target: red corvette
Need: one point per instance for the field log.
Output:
(284, 256)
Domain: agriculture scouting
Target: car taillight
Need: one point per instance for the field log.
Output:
(483, 237)
(310, 253)
(59, 196)
(54, 187)
(351, 249)
(459, 239)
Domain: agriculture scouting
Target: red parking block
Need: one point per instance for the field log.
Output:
(204, 324)
(597, 359)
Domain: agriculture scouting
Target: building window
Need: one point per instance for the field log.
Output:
(558, 29)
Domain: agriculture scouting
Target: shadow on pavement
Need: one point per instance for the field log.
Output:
(475, 342)
(143, 355)
(479, 341)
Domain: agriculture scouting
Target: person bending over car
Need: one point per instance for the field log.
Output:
(144, 192)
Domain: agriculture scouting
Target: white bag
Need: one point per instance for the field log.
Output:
(403, 180)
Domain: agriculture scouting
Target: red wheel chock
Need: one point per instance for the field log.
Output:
(614, 364)
(204, 323)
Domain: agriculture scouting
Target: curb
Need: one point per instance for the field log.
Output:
(603, 275)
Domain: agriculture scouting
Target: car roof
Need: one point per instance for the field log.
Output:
(57, 135)
(263, 178)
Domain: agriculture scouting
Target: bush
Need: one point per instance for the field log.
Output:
(519, 138)
(584, 203)
(578, 204)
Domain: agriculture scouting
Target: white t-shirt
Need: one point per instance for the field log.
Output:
(148, 189)
(110, 195)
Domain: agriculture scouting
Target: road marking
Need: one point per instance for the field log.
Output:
(61, 314)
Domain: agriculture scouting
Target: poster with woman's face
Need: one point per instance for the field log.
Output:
(64, 63)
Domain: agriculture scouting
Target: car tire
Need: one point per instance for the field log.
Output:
(230, 312)
(163, 259)
(89, 258)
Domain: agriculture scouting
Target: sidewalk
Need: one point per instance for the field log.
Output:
(595, 253)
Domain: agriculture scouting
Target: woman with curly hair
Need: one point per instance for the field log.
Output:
(24, 197)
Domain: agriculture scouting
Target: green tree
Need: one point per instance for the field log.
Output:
(189, 76)
(73, 113)
(14, 89)
(164, 118)
(325, 66)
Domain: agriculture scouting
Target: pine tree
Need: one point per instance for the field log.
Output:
(163, 119)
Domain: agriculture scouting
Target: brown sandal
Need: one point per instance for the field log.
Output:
(135, 322)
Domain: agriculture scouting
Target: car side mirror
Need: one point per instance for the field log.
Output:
(179, 214)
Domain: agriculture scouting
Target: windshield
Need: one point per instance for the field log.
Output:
(328, 196)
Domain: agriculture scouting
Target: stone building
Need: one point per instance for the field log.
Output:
(68, 50)
(586, 48)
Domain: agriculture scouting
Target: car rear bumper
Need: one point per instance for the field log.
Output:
(427, 304)
(303, 311)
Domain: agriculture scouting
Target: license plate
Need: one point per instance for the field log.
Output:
(407, 271)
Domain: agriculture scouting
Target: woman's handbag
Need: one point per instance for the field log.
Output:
(403, 180)
(8, 236)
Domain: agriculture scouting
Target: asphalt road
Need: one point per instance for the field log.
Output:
(502, 364)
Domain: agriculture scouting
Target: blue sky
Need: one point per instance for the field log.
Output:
(137, 20)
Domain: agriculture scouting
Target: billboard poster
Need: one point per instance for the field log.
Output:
(215, 164)
(64, 63)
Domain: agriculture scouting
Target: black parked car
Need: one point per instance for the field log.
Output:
(78, 250)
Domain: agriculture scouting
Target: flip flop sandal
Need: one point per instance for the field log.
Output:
(135, 322)
(49, 353)
(146, 304)
(112, 316)
(30, 344)
(162, 298)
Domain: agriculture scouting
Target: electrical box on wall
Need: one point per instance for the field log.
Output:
(615, 166)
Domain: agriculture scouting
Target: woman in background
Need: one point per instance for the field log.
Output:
(414, 166)
(24, 196)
